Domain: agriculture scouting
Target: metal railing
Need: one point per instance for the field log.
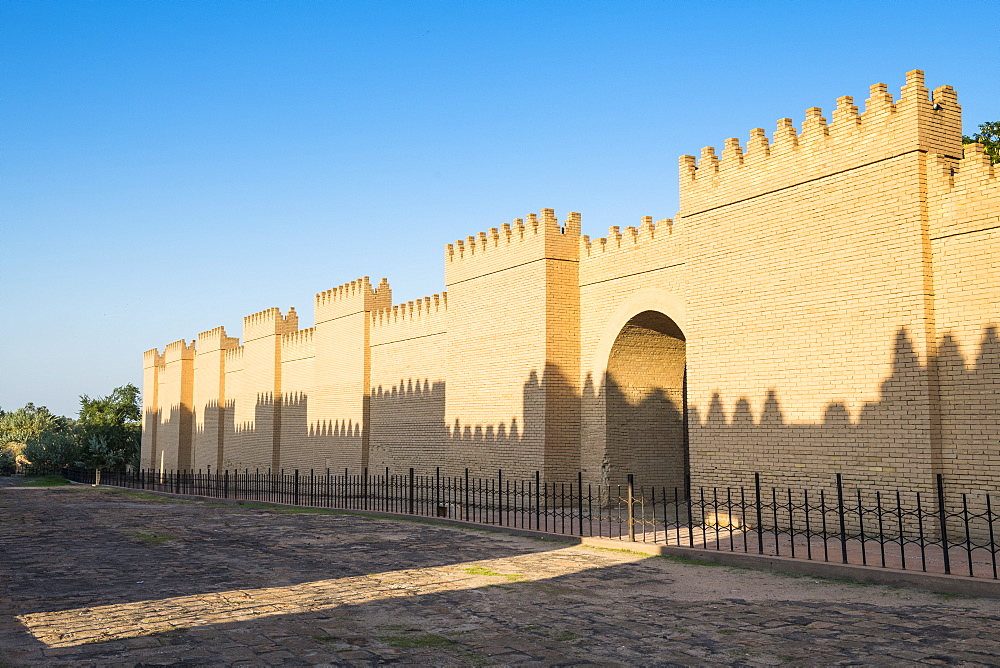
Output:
(889, 529)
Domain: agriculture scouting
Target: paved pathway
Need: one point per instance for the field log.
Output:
(108, 577)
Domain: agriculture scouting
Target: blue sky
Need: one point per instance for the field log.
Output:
(168, 167)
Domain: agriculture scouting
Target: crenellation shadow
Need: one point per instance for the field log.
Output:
(890, 442)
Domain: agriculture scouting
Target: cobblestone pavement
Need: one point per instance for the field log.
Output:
(111, 577)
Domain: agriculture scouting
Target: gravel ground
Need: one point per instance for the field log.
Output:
(108, 577)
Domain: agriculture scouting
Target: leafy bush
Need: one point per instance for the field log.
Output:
(52, 450)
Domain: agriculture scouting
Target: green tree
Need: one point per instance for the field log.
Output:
(52, 450)
(20, 427)
(109, 429)
(989, 137)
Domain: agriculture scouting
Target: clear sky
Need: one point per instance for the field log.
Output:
(167, 167)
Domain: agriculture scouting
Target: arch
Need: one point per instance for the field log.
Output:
(635, 414)
(648, 299)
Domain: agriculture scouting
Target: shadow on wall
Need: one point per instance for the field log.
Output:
(895, 442)
(882, 445)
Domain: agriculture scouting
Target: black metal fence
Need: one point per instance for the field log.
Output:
(898, 529)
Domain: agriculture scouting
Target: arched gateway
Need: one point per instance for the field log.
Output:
(644, 388)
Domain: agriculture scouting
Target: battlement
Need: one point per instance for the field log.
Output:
(887, 128)
(513, 244)
(420, 317)
(215, 339)
(353, 297)
(234, 358)
(298, 345)
(630, 238)
(152, 358)
(269, 322)
(973, 170)
(178, 350)
(964, 195)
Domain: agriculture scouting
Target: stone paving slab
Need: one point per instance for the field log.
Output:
(105, 577)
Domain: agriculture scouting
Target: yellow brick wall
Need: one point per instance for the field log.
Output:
(409, 346)
(622, 275)
(964, 238)
(508, 366)
(298, 369)
(209, 398)
(152, 362)
(825, 301)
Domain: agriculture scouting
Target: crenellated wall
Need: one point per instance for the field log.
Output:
(409, 366)
(826, 301)
(964, 239)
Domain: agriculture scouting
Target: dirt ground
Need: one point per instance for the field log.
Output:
(107, 577)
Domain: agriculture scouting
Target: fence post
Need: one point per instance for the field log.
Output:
(840, 512)
(500, 495)
(760, 515)
(295, 489)
(225, 485)
(411, 491)
(538, 500)
(466, 495)
(631, 508)
(943, 518)
(579, 498)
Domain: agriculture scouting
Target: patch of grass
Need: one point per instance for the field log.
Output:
(418, 641)
(948, 596)
(613, 549)
(46, 481)
(479, 570)
(152, 537)
(565, 636)
(149, 496)
(325, 511)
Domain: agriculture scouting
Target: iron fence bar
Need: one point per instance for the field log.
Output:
(861, 528)
(943, 518)
(701, 508)
(760, 515)
(538, 500)
(631, 508)
(410, 493)
(902, 538)
(743, 514)
(774, 519)
(805, 507)
(881, 529)
(968, 537)
(840, 514)
(791, 523)
(989, 523)
(920, 524)
(500, 501)
(590, 513)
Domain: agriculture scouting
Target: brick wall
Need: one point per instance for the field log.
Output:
(828, 298)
